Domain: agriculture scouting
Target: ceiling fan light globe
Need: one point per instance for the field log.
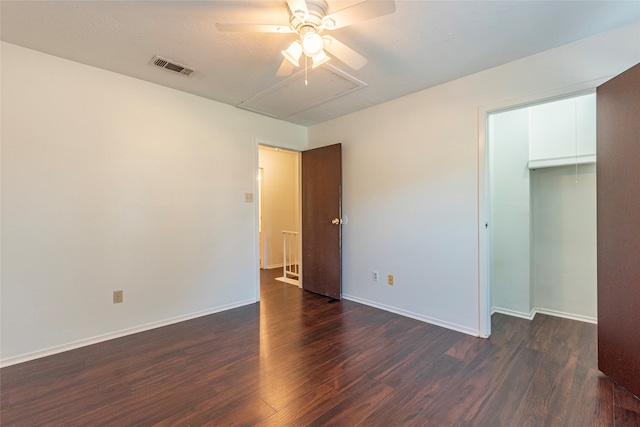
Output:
(319, 59)
(293, 52)
(312, 44)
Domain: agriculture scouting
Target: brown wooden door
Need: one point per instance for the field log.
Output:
(618, 188)
(321, 209)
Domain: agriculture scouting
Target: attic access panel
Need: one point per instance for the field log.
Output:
(291, 96)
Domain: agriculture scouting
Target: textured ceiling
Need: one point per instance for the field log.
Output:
(423, 44)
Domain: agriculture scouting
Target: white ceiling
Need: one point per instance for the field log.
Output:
(423, 44)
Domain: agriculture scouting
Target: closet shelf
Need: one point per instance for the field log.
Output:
(562, 161)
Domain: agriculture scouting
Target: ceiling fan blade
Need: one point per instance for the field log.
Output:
(344, 53)
(298, 8)
(286, 68)
(254, 28)
(360, 12)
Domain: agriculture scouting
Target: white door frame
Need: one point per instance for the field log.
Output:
(484, 290)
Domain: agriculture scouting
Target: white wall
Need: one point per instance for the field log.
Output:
(411, 178)
(108, 183)
(112, 183)
(510, 219)
(564, 241)
(280, 204)
(563, 132)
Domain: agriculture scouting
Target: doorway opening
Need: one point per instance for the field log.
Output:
(279, 212)
(541, 205)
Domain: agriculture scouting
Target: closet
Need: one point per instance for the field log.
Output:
(542, 209)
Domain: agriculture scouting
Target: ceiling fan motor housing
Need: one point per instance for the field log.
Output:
(317, 10)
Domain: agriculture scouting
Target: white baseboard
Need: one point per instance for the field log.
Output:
(14, 360)
(536, 310)
(416, 316)
(578, 317)
(514, 313)
(272, 266)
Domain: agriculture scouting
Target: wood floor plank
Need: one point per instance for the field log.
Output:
(499, 404)
(625, 399)
(306, 408)
(358, 404)
(469, 387)
(406, 405)
(625, 417)
(590, 398)
(298, 359)
(587, 345)
(407, 368)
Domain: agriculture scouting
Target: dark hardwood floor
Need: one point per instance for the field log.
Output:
(297, 359)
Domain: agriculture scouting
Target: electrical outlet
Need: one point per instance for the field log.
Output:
(390, 279)
(375, 276)
(117, 297)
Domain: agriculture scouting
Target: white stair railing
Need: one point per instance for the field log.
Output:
(291, 259)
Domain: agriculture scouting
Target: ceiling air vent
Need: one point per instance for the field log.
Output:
(172, 66)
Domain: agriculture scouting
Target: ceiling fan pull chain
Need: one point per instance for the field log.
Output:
(306, 67)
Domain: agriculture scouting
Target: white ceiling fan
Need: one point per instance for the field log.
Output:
(308, 19)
